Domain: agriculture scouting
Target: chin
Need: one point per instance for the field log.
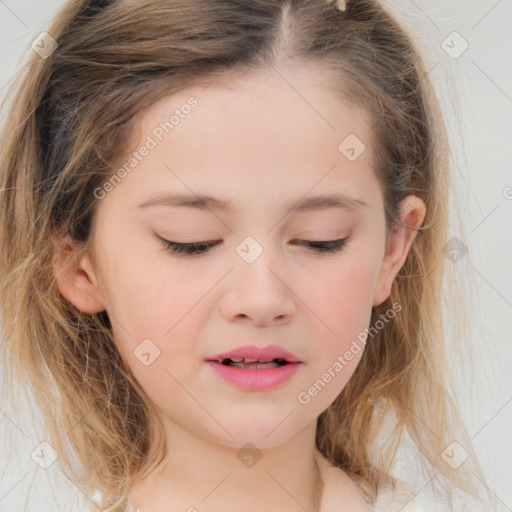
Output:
(264, 435)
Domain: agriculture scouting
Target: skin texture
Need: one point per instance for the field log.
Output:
(261, 144)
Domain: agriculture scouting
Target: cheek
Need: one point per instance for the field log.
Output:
(345, 309)
(153, 311)
(148, 293)
(343, 303)
(341, 296)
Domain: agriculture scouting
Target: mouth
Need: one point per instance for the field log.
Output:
(252, 355)
(255, 368)
(253, 364)
(251, 374)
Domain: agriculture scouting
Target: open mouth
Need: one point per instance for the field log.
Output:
(253, 364)
(254, 374)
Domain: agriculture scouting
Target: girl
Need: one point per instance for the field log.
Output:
(222, 227)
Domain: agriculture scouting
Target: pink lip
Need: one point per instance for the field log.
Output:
(255, 379)
(254, 352)
(258, 379)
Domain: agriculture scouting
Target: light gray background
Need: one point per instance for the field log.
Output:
(476, 93)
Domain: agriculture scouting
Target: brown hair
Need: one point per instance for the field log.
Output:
(68, 125)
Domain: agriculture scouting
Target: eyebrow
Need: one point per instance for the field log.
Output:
(320, 202)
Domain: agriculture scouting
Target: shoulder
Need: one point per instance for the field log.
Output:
(397, 496)
(95, 508)
(338, 488)
(97, 498)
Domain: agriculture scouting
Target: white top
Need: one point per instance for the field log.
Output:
(334, 493)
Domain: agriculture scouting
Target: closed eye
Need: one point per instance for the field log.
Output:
(197, 248)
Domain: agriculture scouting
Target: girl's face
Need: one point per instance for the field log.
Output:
(261, 147)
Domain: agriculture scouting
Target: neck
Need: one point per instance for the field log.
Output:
(202, 475)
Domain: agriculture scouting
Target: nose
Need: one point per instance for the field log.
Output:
(258, 293)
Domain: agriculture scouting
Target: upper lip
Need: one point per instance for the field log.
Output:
(254, 352)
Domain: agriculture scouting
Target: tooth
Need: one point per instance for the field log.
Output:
(247, 360)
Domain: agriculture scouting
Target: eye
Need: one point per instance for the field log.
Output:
(203, 247)
(328, 246)
(190, 248)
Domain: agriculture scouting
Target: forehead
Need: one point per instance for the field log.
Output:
(296, 101)
(273, 135)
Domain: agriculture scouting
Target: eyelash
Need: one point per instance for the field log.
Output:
(198, 248)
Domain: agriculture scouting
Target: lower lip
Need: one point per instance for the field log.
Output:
(255, 379)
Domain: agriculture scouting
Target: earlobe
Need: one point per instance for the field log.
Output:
(75, 277)
(412, 214)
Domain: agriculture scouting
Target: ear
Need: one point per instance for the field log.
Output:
(412, 214)
(75, 276)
